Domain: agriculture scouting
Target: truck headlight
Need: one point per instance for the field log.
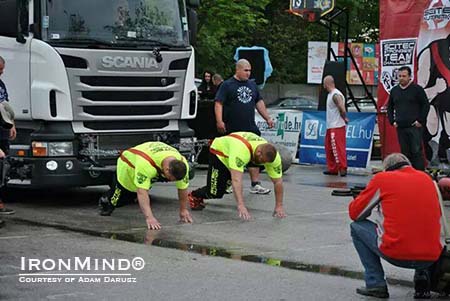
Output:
(52, 149)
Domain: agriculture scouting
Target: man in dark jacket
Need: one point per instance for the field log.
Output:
(404, 226)
(408, 108)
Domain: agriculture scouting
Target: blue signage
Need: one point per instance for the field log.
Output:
(359, 138)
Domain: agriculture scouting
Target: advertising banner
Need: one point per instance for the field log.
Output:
(366, 57)
(359, 138)
(286, 131)
(416, 33)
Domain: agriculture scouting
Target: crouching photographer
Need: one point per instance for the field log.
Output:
(397, 218)
(7, 131)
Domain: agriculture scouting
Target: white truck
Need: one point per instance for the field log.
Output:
(89, 78)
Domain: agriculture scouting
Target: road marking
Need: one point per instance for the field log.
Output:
(28, 236)
(64, 296)
(13, 237)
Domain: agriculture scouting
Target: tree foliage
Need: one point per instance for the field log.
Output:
(225, 25)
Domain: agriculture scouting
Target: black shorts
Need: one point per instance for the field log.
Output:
(119, 195)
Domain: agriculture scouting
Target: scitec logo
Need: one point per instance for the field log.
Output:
(128, 62)
(311, 129)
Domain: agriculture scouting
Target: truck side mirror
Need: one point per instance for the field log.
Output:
(192, 22)
(9, 18)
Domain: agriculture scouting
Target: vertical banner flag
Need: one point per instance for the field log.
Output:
(359, 138)
(416, 33)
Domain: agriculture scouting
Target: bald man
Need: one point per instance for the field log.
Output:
(335, 144)
(234, 108)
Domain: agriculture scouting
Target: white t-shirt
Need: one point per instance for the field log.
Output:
(334, 119)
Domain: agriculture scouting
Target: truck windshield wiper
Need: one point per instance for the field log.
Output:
(90, 41)
(151, 42)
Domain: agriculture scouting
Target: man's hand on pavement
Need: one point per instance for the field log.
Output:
(279, 212)
(185, 216)
(243, 213)
(153, 223)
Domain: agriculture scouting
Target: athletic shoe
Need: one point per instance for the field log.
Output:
(377, 292)
(258, 189)
(195, 203)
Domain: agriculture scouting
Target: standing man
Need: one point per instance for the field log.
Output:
(217, 80)
(141, 166)
(234, 108)
(335, 144)
(6, 133)
(227, 159)
(407, 110)
(404, 226)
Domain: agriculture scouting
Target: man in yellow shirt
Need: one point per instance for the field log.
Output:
(141, 166)
(228, 157)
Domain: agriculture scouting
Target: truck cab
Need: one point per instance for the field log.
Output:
(90, 78)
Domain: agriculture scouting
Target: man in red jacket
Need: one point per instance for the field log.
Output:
(404, 229)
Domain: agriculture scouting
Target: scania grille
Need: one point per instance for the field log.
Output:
(125, 125)
(109, 95)
(126, 95)
(126, 110)
(126, 81)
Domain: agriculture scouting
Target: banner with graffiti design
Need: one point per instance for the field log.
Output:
(417, 33)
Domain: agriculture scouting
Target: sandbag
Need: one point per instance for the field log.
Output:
(286, 156)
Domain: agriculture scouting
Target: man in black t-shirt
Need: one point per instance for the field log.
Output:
(407, 111)
(234, 108)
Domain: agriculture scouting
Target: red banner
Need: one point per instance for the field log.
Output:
(416, 33)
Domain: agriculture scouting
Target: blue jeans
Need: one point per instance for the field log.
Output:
(365, 237)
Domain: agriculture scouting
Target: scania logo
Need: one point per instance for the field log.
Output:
(123, 62)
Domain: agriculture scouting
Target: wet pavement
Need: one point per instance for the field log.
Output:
(314, 237)
(167, 275)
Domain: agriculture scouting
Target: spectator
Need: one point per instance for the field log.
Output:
(137, 169)
(407, 110)
(404, 229)
(335, 144)
(227, 159)
(207, 90)
(217, 80)
(234, 108)
(6, 132)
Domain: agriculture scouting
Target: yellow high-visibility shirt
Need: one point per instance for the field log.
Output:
(234, 154)
(134, 169)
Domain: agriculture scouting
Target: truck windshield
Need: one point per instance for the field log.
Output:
(116, 22)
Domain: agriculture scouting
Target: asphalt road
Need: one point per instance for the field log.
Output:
(167, 275)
